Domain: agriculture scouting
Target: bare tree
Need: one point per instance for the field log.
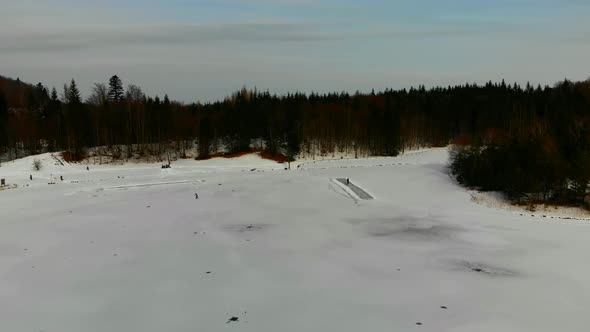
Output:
(134, 93)
(99, 95)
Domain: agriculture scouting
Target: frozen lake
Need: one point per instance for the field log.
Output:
(129, 248)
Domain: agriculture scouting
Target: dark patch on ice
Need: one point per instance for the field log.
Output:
(232, 320)
(208, 272)
(246, 228)
(443, 307)
(414, 231)
(487, 269)
(418, 323)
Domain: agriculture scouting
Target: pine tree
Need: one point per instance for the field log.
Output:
(54, 97)
(116, 92)
(74, 94)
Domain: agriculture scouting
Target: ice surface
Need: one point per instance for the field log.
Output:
(129, 248)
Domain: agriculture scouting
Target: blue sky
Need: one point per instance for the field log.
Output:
(204, 50)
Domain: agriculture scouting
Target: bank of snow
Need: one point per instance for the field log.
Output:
(498, 201)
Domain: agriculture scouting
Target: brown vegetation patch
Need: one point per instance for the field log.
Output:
(278, 157)
(72, 157)
(227, 155)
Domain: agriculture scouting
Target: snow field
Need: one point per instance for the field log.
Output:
(129, 248)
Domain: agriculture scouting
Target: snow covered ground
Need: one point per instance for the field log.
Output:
(129, 248)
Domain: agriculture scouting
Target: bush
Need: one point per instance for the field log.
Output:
(37, 165)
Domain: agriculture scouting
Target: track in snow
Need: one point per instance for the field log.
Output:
(358, 191)
(151, 184)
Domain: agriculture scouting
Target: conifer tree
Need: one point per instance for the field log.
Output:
(116, 92)
(74, 94)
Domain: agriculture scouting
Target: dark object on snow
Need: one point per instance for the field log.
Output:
(233, 319)
(196, 196)
(418, 323)
(2, 182)
(31, 177)
(61, 177)
(443, 307)
(87, 168)
(347, 181)
(166, 166)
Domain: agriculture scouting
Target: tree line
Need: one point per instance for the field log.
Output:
(531, 142)
(543, 157)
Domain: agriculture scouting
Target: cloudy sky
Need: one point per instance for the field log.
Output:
(205, 49)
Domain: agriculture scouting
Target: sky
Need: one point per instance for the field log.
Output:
(203, 50)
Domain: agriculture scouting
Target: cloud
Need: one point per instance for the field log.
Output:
(158, 35)
(65, 38)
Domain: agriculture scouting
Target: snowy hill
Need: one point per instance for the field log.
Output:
(129, 248)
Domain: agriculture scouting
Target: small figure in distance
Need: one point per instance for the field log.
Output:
(347, 181)
(196, 196)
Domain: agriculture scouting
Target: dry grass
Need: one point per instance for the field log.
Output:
(69, 157)
(279, 158)
(225, 155)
